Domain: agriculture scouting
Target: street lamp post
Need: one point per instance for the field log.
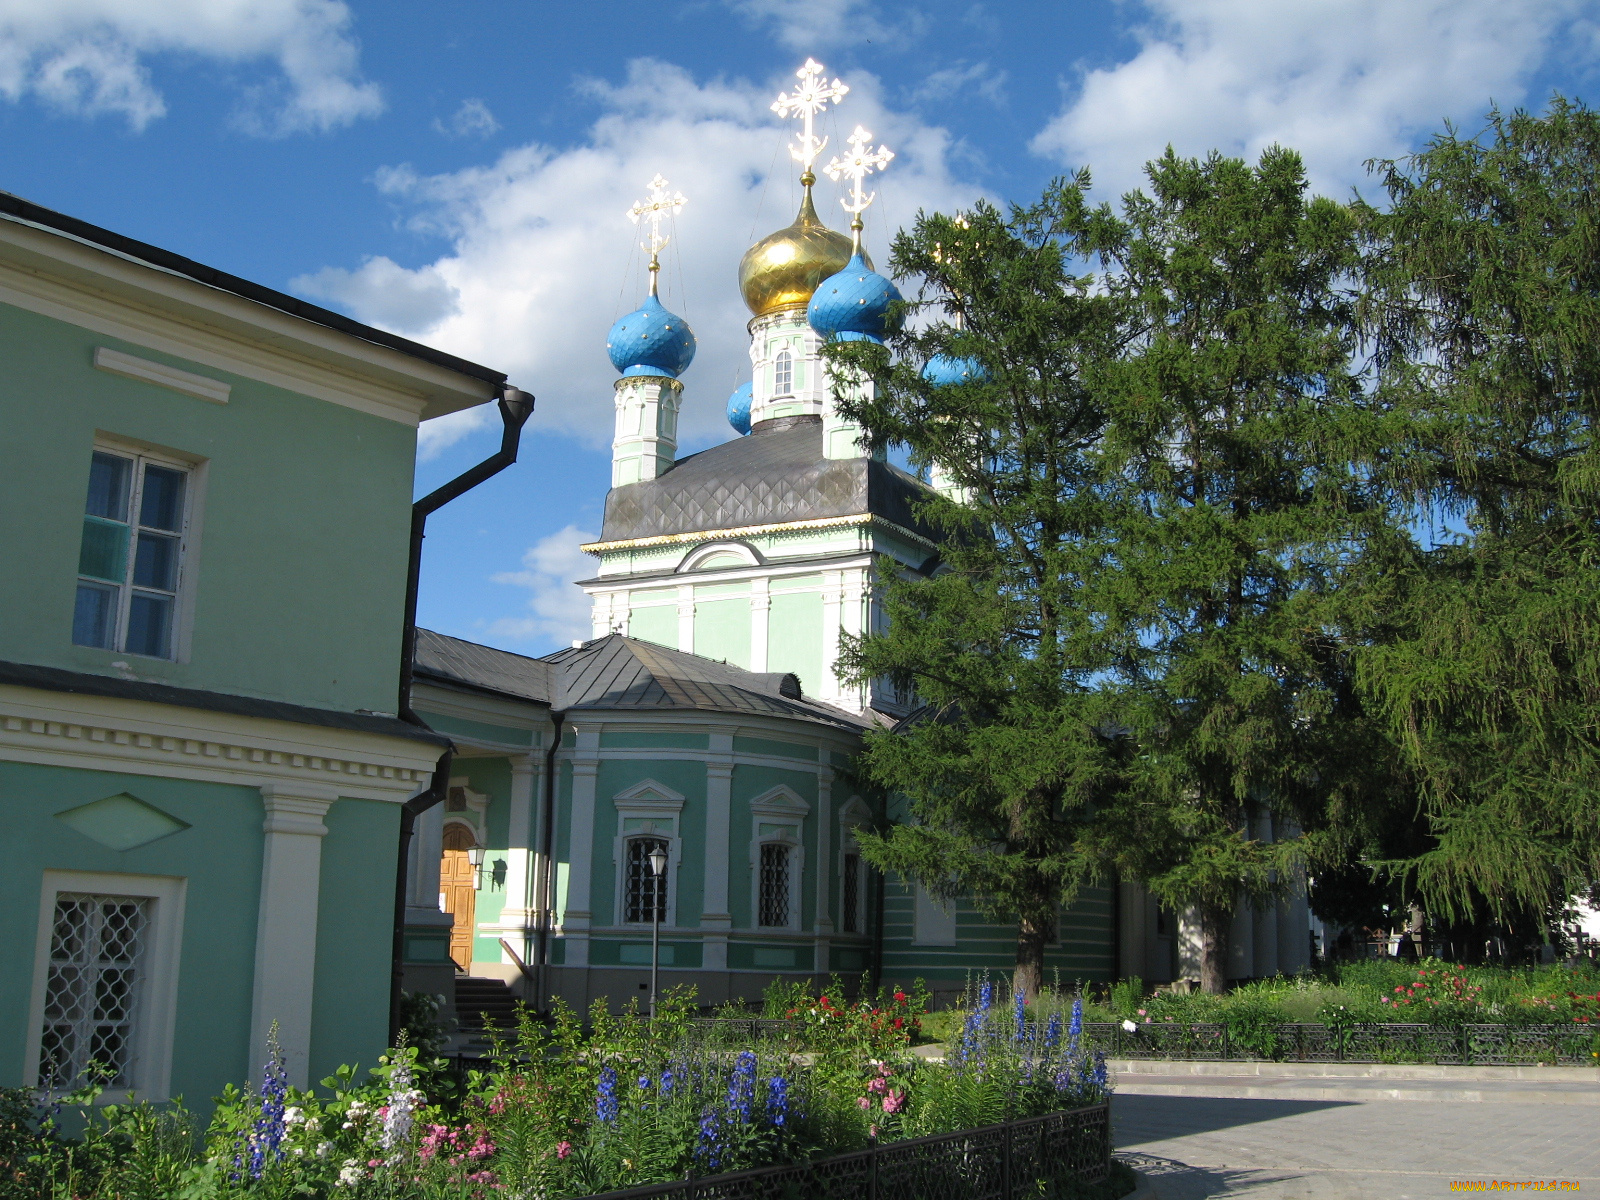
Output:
(658, 867)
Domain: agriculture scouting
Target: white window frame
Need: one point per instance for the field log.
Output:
(784, 812)
(193, 471)
(782, 365)
(661, 809)
(157, 1003)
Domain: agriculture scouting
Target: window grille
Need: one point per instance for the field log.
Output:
(91, 1005)
(642, 885)
(852, 894)
(783, 374)
(129, 557)
(774, 885)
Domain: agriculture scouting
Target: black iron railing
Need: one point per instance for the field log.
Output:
(1569, 1043)
(1030, 1157)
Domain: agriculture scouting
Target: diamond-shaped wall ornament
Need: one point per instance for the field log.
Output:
(121, 822)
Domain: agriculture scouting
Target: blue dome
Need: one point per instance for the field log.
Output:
(855, 301)
(739, 408)
(651, 341)
(942, 371)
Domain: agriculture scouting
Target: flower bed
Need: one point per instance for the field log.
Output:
(1569, 1043)
(568, 1109)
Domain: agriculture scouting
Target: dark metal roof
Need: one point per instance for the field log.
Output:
(36, 214)
(55, 679)
(617, 672)
(774, 475)
(451, 660)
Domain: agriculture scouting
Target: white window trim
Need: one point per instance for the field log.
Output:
(656, 802)
(695, 557)
(780, 804)
(158, 1000)
(196, 471)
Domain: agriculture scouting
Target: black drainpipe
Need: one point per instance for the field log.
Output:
(516, 406)
(547, 842)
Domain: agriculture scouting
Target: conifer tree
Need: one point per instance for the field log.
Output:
(1483, 282)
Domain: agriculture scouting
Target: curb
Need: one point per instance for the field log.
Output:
(1223, 1090)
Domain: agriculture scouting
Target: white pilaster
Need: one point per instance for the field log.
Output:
(1266, 916)
(686, 618)
(1191, 944)
(852, 616)
(715, 918)
(579, 916)
(523, 868)
(286, 923)
(760, 617)
(646, 440)
(826, 833)
(832, 602)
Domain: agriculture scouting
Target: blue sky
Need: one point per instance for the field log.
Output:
(459, 173)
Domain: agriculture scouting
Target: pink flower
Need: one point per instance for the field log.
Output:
(1141, 1012)
(894, 1101)
(863, 1102)
(563, 1149)
(877, 1085)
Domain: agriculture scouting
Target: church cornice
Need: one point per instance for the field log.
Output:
(671, 539)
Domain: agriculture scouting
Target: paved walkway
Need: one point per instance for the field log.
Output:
(1296, 1149)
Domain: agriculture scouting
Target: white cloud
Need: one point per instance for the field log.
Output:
(392, 296)
(88, 57)
(472, 119)
(815, 26)
(1339, 80)
(558, 612)
(945, 86)
(543, 260)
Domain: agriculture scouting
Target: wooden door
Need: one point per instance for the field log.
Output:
(458, 885)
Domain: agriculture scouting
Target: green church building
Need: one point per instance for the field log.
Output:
(209, 493)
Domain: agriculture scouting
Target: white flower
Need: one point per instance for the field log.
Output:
(292, 1115)
(351, 1173)
(325, 1149)
(1131, 1026)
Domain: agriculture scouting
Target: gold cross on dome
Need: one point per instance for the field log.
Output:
(658, 206)
(812, 96)
(856, 166)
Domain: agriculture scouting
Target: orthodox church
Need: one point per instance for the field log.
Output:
(706, 719)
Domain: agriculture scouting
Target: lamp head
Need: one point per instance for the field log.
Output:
(658, 861)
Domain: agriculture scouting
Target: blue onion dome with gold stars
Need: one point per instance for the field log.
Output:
(944, 371)
(853, 305)
(739, 408)
(651, 341)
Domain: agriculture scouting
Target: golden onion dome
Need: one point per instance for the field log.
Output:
(785, 267)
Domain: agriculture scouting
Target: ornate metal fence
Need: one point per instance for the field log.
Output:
(1567, 1044)
(1031, 1157)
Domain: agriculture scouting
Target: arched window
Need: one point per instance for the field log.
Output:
(642, 885)
(774, 885)
(783, 374)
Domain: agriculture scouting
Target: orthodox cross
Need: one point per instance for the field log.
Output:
(856, 166)
(653, 209)
(806, 101)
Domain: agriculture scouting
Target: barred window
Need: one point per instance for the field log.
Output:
(774, 885)
(852, 894)
(92, 993)
(642, 885)
(783, 374)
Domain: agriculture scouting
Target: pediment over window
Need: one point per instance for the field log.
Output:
(647, 794)
(855, 812)
(781, 801)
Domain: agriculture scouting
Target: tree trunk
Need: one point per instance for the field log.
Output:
(1214, 951)
(1028, 978)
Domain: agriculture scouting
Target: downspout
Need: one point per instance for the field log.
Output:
(547, 840)
(516, 406)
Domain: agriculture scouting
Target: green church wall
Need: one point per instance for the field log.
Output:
(658, 624)
(794, 638)
(626, 739)
(297, 493)
(350, 1011)
(612, 952)
(768, 956)
(618, 775)
(755, 745)
(217, 952)
(722, 630)
(504, 734)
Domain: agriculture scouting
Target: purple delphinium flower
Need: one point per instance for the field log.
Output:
(668, 1082)
(710, 1142)
(644, 1083)
(1052, 1032)
(985, 996)
(1098, 1074)
(266, 1144)
(742, 1084)
(1020, 1011)
(606, 1104)
(777, 1101)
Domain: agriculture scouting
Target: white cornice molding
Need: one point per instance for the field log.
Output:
(202, 387)
(99, 733)
(744, 531)
(59, 277)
